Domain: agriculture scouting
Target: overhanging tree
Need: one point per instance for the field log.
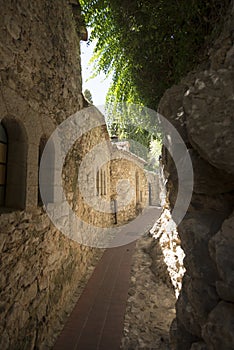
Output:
(148, 45)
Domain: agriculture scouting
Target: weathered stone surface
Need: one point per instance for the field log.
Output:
(218, 331)
(199, 346)
(209, 105)
(203, 298)
(195, 234)
(42, 48)
(171, 107)
(180, 338)
(221, 52)
(4, 340)
(35, 294)
(187, 315)
(219, 180)
(150, 305)
(223, 245)
(204, 99)
(29, 294)
(17, 317)
(225, 291)
(221, 250)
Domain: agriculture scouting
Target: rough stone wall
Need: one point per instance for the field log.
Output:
(85, 203)
(40, 64)
(40, 87)
(40, 272)
(201, 108)
(106, 174)
(40, 72)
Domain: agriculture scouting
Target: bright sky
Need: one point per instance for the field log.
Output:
(97, 86)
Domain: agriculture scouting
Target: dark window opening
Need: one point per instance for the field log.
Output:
(3, 164)
(97, 183)
(13, 164)
(43, 141)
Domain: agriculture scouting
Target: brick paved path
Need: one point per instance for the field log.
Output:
(97, 319)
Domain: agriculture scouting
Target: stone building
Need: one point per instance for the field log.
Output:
(113, 187)
(129, 184)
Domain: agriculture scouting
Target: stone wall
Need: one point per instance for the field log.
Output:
(40, 87)
(40, 64)
(40, 73)
(40, 272)
(201, 108)
(84, 193)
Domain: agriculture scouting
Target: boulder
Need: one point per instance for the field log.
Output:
(218, 331)
(208, 104)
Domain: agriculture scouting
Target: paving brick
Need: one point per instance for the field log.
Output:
(97, 319)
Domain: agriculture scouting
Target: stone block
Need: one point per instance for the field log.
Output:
(180, 338)
(203, 298)
(199, 346)
(221, 248)
(187, 315)
(225, 291)
(218, 330)
(209, 111)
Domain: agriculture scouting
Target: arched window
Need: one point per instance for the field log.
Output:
(104, 183)
(42, 144)
(150, 193)
(14, 165)
(3, 164)
(98, 183)
(101, 182)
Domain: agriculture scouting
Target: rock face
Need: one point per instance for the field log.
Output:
(201, 108)
(208, 106)
(221, 250)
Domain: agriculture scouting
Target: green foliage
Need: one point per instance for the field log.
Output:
(148, 46)
(154, 154)
(133, 122)
(88, 96)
